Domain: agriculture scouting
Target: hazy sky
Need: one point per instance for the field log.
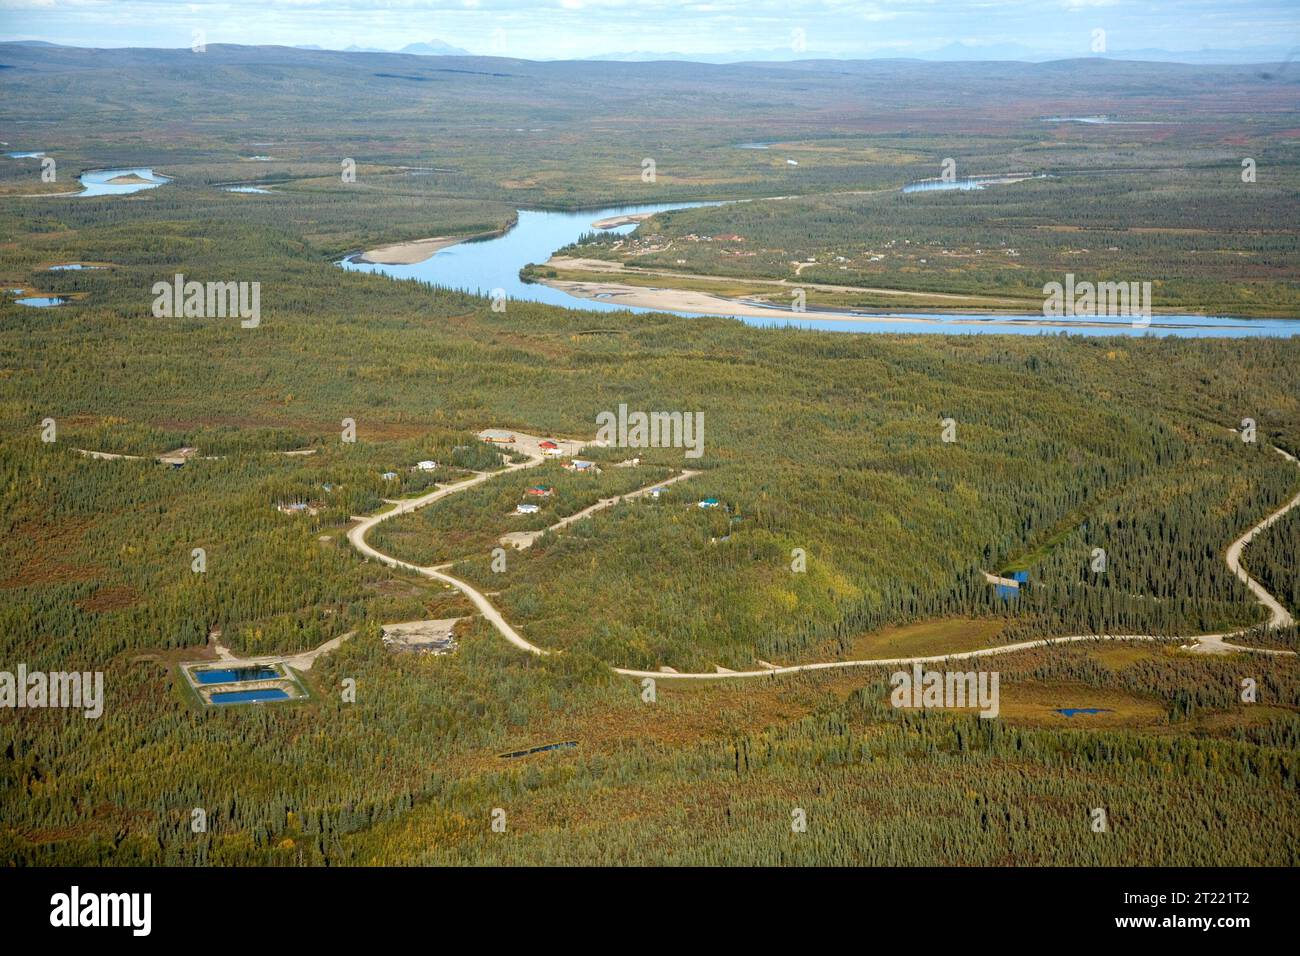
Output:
(570, 28)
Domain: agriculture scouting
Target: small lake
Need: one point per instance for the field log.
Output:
(99, 182)
(247, 189)
(1102, 121)
(483, 265)
(24, 155)
(248, 696)
(1071, 711)
(42, 301)
(964, 184)
(71, 267)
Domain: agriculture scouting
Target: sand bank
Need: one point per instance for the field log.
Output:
(408, 253)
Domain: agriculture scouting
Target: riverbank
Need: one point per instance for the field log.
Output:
(624, 286)
(706, 303)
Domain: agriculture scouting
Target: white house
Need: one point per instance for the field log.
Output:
(426, 465)
(389, 476)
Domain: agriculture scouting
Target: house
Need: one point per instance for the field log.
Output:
(708, 503)
(540, 491)
(578, 464)
(656, 492)
(389, 476)
(426, 465)
(498, 438)
(525, 508)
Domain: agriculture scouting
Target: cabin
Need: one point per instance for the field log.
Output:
(578, 464)
(656, 492)
(389, 476)
(539, 491)
(525, 508)
(708, 503)
(426, 465)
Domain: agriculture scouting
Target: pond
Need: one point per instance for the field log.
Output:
(230, 675)
(249, 696)
(42, 301)
(963, 184)
(120, 182)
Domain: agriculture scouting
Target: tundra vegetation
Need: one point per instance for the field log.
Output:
(823, 442)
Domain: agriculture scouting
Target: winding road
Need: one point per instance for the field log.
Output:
(1205, 643)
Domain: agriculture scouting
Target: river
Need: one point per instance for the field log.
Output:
(485, 265)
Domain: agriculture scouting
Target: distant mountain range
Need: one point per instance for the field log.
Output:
(965, 52)
(431, 48)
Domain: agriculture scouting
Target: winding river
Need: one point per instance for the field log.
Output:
(484, 265)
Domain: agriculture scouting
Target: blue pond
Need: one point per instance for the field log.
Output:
(1071, 711)
(232, 675)
(1010, 592)
(249, 696)
(41, 301)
